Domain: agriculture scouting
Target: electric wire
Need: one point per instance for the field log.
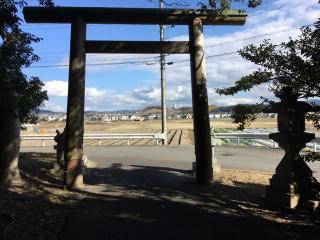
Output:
(171, 62)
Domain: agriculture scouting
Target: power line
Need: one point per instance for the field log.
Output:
(235, 52)
(210, 56)
(258, 36)
(178, 61)
(129, 62)
(216, 60)
(91, 64)
(151, 1)
(222, 43)
(44, 28)
(114, 59)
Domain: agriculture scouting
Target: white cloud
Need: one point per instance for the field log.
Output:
(230, 101)
(56, 88)
(114, 101)
(179, 93)
(276, 18)
(147, 93)
(225, 70)
(94, 93)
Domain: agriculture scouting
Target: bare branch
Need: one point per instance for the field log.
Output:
(171, 4)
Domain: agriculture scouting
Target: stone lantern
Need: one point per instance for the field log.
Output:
(292, 185)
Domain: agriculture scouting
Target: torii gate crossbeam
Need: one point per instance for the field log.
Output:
(79, 17)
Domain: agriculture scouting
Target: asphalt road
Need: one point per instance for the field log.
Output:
(181, 157)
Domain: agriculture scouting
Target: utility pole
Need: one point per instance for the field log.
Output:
(163, 86)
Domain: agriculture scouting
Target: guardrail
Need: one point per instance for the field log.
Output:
(100, 136)
(255, 136)
(261, 138)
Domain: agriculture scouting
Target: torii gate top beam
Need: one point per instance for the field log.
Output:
(79, 46)
(99, 15)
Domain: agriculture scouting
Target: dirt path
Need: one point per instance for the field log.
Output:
(185, 137)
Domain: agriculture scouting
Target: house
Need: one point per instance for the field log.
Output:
(124, 118)
(188, 116)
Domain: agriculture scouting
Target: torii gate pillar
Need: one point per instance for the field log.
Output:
(79, 46)
(201, 124)
(73, 177)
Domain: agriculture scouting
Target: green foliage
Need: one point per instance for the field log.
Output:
(290, 65)
(226, 4)
(16, 53)
(212, 108)
(245, 83)
(311, 157)
(315, 119)
(293, 64)
(245, 114)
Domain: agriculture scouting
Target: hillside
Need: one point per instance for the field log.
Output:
(152, 110)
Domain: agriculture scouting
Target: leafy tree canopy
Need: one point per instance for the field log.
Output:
(225, 4)
(16, 90)
(245, 114)
(293, 64)
(213, 4)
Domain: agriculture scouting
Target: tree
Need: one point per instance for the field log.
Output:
(245, 114)
(20, 96)
(225, 4)
(213, 4)
(293, 64)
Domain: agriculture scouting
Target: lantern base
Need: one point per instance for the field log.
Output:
(277, 198)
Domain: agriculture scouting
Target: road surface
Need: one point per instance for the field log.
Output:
(181, 157)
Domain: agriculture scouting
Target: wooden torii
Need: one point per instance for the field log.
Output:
(78, 17)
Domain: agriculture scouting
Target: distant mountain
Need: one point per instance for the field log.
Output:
(111, 112)
(153, 110)
(181, 110)
(41, 111)
(223, 109)
(184, 110)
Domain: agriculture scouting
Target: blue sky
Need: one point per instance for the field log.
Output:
(134, 86)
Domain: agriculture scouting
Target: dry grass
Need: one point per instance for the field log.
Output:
(155, 125)
(145, 127)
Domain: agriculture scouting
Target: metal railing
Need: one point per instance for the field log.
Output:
(100, 136)
(261, 138)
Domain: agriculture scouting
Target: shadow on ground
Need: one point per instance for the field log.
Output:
(147, 202)
(138, 202)
(30, 209)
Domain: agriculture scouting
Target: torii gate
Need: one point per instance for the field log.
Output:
(79, 46)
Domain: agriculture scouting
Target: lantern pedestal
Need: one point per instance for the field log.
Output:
(292, 185)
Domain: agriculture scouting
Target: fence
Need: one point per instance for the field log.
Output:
(261, 138)
(100, 137)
